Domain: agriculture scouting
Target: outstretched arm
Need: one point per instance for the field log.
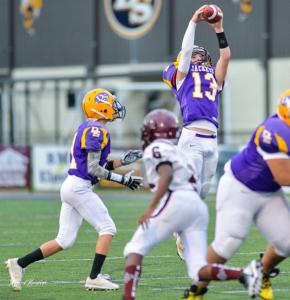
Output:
(225, 52)
(187, 45)
(128, 158)
(95, 169)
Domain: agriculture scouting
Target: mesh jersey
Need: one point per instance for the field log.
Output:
(164, 151)
(90, 136)
(198, 95)
(270, 140)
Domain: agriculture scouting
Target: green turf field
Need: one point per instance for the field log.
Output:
(24, 225)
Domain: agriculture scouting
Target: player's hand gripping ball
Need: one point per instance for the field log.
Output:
(212, 13)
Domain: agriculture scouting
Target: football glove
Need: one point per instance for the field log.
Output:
(132, 182)
(131, 156)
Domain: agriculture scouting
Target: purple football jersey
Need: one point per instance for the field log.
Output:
(198, 95)
(90, 136)
(249, 167)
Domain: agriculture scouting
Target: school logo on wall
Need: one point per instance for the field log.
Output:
(131, 19)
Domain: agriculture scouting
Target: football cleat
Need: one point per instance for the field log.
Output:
(179, 245)
(102, 282)
(266, 292)
(15, 273)
(252, 278)
(194, 293)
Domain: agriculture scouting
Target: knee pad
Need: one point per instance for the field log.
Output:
(65, 242)
(107, 227)
(226, 247)
(132, 247)
(282, 248)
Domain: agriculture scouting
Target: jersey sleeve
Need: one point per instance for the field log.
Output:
(94, 138)
(270, 145)
(169, 75)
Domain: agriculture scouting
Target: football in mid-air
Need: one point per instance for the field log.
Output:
(212, 13)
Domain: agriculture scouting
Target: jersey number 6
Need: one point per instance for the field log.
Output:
(156, 152)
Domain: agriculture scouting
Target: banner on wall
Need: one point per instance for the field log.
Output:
(15, 167)
(50, 165)
(131, 19)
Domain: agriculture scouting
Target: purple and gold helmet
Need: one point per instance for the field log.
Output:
(159, 124)
(100, 104)
(284, 106)
(206, 58)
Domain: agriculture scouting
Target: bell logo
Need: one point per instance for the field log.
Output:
(131, 19)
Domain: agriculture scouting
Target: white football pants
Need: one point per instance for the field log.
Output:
(185, 213)
(80, 202)
(238, 207)
(202, 154)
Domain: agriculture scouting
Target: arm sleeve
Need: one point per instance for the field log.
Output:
(94, 167)
(187, 47)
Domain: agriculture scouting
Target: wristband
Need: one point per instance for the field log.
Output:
(115, 177)
(223, 43)
(110, 165)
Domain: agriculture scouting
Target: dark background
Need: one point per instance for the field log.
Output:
(76, 32)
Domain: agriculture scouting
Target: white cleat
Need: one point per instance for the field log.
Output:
(102, 282)
(15, 273)
(253, 278)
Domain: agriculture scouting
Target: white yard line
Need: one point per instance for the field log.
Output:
(81, 282)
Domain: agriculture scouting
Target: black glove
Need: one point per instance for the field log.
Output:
(131, 156)
(132, 182)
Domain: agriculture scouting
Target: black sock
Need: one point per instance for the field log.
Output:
(30, 258)
(97, 265)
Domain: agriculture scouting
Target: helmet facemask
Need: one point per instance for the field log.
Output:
(120, 110)
(205, 56)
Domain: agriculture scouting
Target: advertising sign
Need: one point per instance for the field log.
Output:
(50, 165)
(14, 167)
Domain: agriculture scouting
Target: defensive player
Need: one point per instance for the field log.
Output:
(250, 192)
(175, 207)
(88, 163)
(197, 84)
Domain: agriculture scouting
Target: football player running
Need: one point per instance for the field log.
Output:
(250, 192)
(196, 84)
(175, 207)
(88, 163)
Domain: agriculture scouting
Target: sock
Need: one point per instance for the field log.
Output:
(132, 275)
(221, 272)
(30, 258)
(97, 265)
